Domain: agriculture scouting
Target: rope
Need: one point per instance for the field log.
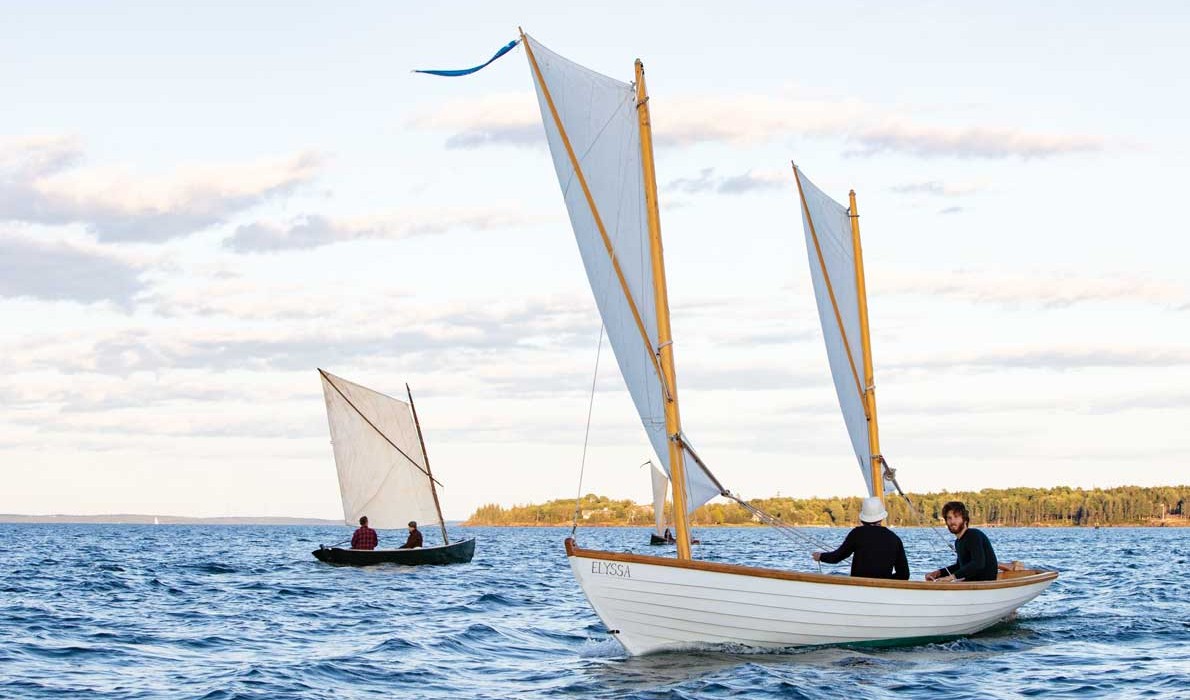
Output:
(578, 497)
(774, 522)
(890, 474)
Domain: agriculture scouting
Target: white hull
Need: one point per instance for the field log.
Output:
(654, 604)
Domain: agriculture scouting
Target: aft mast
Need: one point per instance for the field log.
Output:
(673, 423)
(426, 455)
(869, 388)
(843, 307)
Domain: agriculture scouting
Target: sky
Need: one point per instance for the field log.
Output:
(202, 204)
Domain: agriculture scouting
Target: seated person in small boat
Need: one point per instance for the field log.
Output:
(364, 537)
(976, 558)
(875, 551)
(669, 536)
(414, 539)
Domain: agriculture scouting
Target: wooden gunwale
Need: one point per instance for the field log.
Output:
(1019, 578)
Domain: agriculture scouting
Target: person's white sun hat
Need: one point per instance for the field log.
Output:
(872, 511)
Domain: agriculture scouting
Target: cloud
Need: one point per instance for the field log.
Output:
(967, 142)
(434, 336)
(868, 129)
(935, 188)
(41, 182)
(1045, 288)
(313, 231)
(1054, 359)
(503, 119)
(65, 272)
(750, 181)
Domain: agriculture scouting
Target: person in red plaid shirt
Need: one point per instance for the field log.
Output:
(365, 537)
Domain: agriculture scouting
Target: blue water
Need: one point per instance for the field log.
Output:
(114, 611)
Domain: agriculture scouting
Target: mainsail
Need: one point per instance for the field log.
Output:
(381, 465)
(601, 131)
(831, 249)
(660, 488)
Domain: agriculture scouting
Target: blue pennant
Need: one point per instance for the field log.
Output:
(469, 71)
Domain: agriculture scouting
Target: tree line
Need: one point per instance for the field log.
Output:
(1123, 505)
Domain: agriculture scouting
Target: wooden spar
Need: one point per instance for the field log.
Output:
(830, 291)
(426, 456)
(673, 422)
(866, 343)
(607, 242)
(378, 430)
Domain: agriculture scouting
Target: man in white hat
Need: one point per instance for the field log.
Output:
(875, 551)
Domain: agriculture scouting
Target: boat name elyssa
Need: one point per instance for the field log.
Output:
(610, 568)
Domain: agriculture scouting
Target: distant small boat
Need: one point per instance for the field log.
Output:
(156, 521)
(660, 489)
(384, 473)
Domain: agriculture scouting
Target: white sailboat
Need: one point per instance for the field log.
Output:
(660, 483)
(384, 473)
(600, 137)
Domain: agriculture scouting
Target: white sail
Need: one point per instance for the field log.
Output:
(828, 221)
(599, 118)
(660, 488)
(382, 472)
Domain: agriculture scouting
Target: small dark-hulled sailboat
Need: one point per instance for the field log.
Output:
(384, 474)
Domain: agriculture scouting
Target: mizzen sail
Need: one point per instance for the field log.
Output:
(381, 466)
(605, 197)
(830, 246)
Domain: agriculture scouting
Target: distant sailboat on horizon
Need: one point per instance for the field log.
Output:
(661, 534)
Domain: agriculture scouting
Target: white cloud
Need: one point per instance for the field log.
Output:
(314, 231)
(750, 181)
(1045, 288)
(1052, 358)
(65, 271)
(41, 182)
(937, 189)
(866, 128)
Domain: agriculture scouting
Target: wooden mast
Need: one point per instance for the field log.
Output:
(673, 423)
(426, 456)
(866, 389)
(869, 388)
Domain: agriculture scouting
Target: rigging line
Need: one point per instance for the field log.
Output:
(378, 430)
(698, 460)
(890, 474)
(599, 134)
(594, 142)
(775, 522)
(578, 498)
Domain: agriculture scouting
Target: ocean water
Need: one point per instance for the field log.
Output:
(172, 611)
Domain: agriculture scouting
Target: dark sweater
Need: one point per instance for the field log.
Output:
(413, 541)
(977, 559)
(878, 553)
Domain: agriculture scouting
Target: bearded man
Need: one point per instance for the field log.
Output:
(976, 558)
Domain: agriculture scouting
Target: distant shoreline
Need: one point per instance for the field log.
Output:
(138, 519)
(1166, 523)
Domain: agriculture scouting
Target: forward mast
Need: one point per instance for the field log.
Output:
(662, 354)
